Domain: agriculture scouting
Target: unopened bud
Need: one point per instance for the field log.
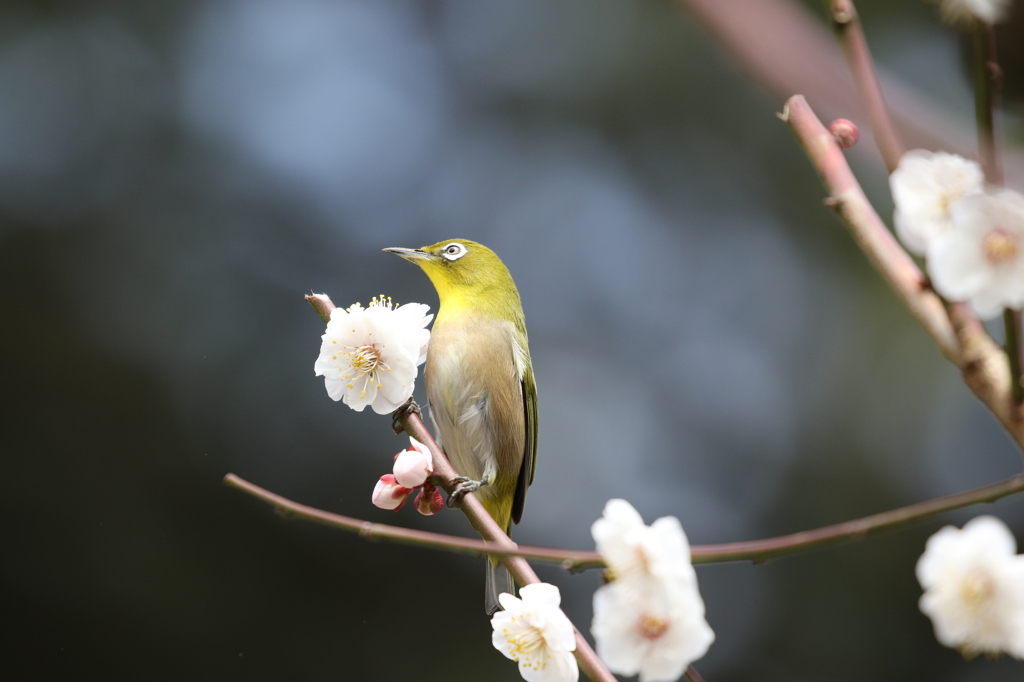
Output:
(429, 501)
(844, 132)
(388, 494)
(322, 305)
(412, 467)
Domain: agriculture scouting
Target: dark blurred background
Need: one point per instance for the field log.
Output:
(708, 341)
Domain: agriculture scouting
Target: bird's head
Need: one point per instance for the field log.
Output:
(461, 269)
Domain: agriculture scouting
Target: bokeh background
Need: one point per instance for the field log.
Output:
(708, 342)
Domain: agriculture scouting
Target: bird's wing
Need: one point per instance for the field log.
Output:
(524, 369)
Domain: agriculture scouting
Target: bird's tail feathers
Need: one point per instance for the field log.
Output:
(498, 580)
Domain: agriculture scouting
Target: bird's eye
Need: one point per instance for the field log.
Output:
(454, 251)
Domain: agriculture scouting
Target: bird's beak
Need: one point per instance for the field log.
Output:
(408, 254)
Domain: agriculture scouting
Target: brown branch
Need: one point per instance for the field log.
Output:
(290, 509)
(988, 78)
(581, 560)
(957, 334)
(762, 550)
(847, 25)
(1012, 325)
(589, 663)
(987, 84)
(874, 238)
(787, 49)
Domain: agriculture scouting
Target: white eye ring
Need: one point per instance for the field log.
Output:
(454, 251)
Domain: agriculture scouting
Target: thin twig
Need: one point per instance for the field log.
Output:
(1012, 325)
(786, 48)
(847, 25)
(988, 81)
(762, 550)
(987, 84)
(581, 560)
(957, 334)
(368, 530)
(693, 675)
(874, 238)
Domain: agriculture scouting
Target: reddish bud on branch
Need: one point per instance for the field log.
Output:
(844, 132)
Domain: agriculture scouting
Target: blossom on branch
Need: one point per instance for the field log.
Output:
(974, 588)
(650, 618)
(369, 355)
(650, 627)
(981, 259)
(387, 494)
(533, 631)
(632, 549)
(967, 12)
(413, 466)
(924, 186)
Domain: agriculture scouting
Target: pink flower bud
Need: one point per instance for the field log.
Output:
(388, 494)
(844, 132)
(413, 466)
(429, 501)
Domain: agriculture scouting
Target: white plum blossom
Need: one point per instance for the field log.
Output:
(413, 466)
(969, 11)
(924, 186)
(974, 588)
(630, 548)
(533, 631)
(654, 628)
(650, 618)
(981, 259)
(387, 494)
(369, 355)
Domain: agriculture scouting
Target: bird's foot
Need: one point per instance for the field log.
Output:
(409, 407)
(463, 486)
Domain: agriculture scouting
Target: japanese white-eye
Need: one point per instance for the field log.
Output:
(479, 382)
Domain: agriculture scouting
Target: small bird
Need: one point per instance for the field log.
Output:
(479, 381)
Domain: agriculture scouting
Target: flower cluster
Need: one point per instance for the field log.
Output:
(650, 618)
(369, 356)
(971, 236)
(413, 468)
(533, 631)
(973, 584)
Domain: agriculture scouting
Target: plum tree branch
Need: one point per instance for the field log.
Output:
(847, 25)
(957, 333)
(580, 560)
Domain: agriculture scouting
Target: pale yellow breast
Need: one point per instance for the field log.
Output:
(475, 399)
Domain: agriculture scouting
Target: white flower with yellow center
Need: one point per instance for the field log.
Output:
(533, 631)
(369, 355)
(981, 259)
(924, 186)
(650, 627)
(650, 618)
(967, 12)
(974, 588)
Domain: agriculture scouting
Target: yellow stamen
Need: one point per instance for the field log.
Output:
(651, 627)
(1000, 246)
